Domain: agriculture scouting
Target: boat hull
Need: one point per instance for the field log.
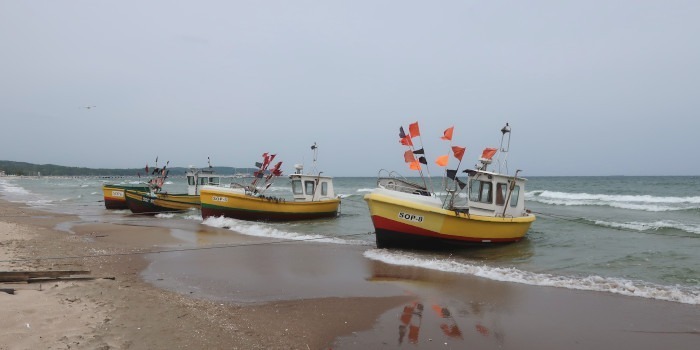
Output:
(114, 195)
(144, 203)
(237, 205)
(402, 223)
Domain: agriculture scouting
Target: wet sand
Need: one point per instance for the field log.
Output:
(288, 296)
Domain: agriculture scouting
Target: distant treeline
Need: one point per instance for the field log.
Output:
(28, 169)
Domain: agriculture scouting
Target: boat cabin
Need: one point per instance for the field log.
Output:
(196, 178)
(493, 194)
(311, 188)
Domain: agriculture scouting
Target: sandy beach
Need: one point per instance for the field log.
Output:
(289, 296)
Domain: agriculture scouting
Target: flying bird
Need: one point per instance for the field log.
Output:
(88, 107)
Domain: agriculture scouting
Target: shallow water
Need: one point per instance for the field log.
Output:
(636, 236)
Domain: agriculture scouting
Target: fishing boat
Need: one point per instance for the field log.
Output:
(156, 200)
(488, 208)
(114, 197)
(312, 196)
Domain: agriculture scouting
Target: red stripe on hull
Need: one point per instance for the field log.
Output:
(392, 233)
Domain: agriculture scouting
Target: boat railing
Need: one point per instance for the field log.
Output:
(392, 180)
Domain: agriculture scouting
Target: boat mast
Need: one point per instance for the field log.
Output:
(314, 148)
(504, 149)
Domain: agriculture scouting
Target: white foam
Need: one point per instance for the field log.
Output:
(19, 194)
(634, 202)
(165, 215)
(9, 188)
(40, 203)
(646, 226)
(365, 189)
(196, 217)
(592, 283)
(259, 229)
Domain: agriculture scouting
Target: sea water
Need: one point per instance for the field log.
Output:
(636, 236)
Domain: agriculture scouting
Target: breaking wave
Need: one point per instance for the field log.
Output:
(591, 283)
(651, 226)
(633, 202)
(269, 230)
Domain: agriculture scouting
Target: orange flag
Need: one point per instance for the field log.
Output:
(414, 130)
(406, 141)
(408, 157)
(488, 153)
(414, 165)
(458, 151)
(442, 160)
(447, 135)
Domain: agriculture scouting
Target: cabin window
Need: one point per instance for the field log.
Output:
(213, 180)
(309, 187)
(324, 188)
(190, 180)
(480, 191)
(501, 189)
(296, 187)
(202, 180)
(514, 196)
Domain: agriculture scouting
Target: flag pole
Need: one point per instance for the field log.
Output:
(427, 169)
(420, 169)
(449, 150)
(411, 148)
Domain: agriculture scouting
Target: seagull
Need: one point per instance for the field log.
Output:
(88, 107)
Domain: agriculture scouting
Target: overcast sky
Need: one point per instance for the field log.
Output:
(589, 87)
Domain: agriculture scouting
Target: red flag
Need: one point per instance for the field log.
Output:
(442, 160)
(276, 170)
(447, 135)
(414, 130)
(488, 153)
(408, 157)
(406, 141)
(458, 151)
(414, 165)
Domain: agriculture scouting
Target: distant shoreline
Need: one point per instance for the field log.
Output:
(12, 168)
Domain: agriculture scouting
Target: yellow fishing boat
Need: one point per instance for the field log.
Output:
(154, 200)
(408, 214)
(114, 196)
(152, 203)
(313, 197)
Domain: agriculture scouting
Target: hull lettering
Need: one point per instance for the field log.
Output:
(410, 217)
(219, 199)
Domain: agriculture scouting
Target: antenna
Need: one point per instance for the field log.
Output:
(505, 131)
(314, 148)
